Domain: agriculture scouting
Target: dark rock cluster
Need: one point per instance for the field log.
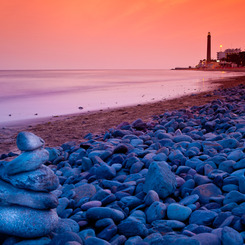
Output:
(179, 179)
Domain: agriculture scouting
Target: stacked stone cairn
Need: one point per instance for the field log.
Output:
(27, 204)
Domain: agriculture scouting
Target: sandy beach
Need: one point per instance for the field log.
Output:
(58, 130)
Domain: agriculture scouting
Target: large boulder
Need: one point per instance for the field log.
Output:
(160, 179)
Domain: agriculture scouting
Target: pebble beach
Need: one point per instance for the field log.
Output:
(170, 172)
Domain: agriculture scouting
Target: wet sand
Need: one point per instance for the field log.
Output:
(58, 130)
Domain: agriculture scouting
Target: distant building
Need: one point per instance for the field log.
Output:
(223, 54)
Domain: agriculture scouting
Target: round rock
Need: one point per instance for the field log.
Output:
(178, 212)
(97, 213)
(27, 141)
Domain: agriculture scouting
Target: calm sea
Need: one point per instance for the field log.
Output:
(42, 93)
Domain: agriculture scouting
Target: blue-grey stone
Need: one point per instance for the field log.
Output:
(227, 222)
(136, 167)
(178, 212)
(202, 217)
(201, 180)
(41, 179)
(65, 238)
(189, 199)
(108, 199)
(231, 236)
(63, 203)
(10, 195)
(86, 164)
(117, 166)
(176, 157)
(236, 155)
(175, 239)
(234, 196)
(108, 232)
(110, 183)
(229, 143)
(230, 187)
(73, 243)
(180, 138)
(39, 241)
(134, 240)
(174, 224)
(239, 173)
(160, 179)
(207, 145)
(27, 141)
(131, 201)
(96, 241)
(103, 154)
(139, 124)
(154, 238)
(86, 233)
(192, 151)
(228, 207)
(156, 211)
(100, 195)
(86, 190)
(227, 166)
(134, 225)
(239, 210)
(182, 169)
(91, 204)
(151, 197)
(240, 164)
(207, 239)
(121, 148)
(105, 172)
(231, 180)
(180, 181)
(160, 157)
(27, 161)
(36, 223)
(242, 184)
(104, 212)
(118, 240)
(221, 218)
(65, 225)
(102, 223)
(206, 191)
(202, 229)
(53, 153)
(136, 142)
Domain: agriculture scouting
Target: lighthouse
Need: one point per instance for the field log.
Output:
(209, 48)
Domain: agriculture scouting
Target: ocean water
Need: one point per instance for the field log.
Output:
(29, 94)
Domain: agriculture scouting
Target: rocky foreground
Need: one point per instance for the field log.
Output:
(179, 179)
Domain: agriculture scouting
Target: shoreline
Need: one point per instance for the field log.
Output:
(73, 127)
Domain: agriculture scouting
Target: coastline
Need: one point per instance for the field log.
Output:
(58, 130)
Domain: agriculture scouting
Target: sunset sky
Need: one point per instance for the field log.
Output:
(94, 34)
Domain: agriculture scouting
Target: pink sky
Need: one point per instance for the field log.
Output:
(93, 34)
